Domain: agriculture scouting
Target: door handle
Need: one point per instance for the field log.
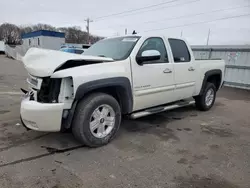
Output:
(191, 69)
(167, 71)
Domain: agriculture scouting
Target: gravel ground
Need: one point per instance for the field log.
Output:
(183, 148)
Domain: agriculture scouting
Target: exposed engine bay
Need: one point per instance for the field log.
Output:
(49, 90)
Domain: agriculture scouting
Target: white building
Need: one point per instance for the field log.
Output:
(2, 47)
(44, 39)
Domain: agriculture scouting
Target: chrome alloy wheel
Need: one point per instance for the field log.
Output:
(102, 121)
(209, 97)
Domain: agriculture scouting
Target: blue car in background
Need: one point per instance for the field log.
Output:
(72, 50)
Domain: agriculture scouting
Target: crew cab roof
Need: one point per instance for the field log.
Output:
(146, 36)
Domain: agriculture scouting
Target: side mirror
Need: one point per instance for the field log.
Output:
(148, 55)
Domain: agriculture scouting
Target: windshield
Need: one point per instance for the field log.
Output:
(115, 48)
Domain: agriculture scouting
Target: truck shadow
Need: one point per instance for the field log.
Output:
(158, 120)
(145, 135)
(154, 124)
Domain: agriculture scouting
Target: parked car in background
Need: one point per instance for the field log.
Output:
(73, 45)
(72, 50)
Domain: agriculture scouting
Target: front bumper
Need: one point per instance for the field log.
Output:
(41, 116)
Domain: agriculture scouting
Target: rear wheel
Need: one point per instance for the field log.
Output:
(206, 100)
(97, 120)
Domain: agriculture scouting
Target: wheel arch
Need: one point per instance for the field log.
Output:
(118, 87)
(213, 76)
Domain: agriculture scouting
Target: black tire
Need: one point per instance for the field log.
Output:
(80, 126)
(200, 101)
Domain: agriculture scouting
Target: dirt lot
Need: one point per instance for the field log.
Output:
(183, 148)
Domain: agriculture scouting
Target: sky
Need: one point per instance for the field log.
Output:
(227, 20)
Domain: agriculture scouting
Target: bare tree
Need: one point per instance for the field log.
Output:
(43, 27)
(25, 29)
(74, 34)
(30, 28)
(94, 39)
(10, 34)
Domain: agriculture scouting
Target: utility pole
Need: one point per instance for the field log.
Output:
(88, 20)
(181, 33)
(126, 31)
(208, 36)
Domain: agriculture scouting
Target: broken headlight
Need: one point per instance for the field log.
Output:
(49, 90)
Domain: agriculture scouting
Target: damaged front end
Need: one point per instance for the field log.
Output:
(45, 106)
(48, 105)
(49, 91)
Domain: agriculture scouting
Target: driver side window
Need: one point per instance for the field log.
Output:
(155, 43)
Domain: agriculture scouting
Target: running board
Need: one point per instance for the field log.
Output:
(160, 109)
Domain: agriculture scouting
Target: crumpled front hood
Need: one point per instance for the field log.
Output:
(43, 62)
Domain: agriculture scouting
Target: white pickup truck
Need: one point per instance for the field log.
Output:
(129, 75)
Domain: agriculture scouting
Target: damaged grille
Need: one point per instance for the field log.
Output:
(33, 81)
(49, 90)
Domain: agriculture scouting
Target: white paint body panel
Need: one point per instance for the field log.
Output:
(66, 95)
(41, 117)
(150, 85)
(202, 66)
(87, 73)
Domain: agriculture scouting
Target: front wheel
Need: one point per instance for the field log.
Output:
(97, 119)
(205, 101)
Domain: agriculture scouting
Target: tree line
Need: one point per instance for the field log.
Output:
(11, 33)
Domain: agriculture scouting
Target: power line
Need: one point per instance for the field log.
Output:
(196, 23)
(186, 16)
(133, 10)
(120, 13)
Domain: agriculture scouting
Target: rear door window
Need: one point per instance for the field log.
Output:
(180, 51)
